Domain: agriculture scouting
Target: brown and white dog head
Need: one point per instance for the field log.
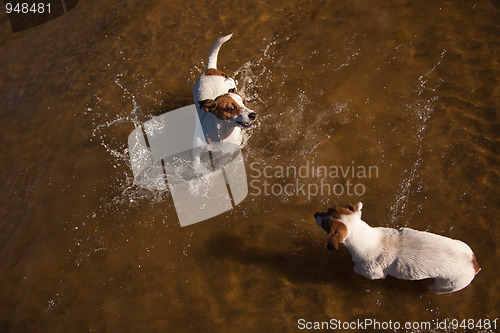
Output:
(230, 107)
(333, 222)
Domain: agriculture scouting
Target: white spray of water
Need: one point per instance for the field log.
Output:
(421, 110)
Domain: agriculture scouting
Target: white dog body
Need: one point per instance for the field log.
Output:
(402, 253)
(221, 109)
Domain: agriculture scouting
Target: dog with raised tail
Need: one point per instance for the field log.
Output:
(403, 253)
(222, 111)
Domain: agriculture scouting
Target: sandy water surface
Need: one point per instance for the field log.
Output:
(405, 89)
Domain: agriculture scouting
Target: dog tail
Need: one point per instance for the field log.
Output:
(214, 52)
(475, 265)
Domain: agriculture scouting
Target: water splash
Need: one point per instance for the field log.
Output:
(129, 194)
(129, 118)
(420, 111)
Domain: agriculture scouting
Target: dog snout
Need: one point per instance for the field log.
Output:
(252, 115)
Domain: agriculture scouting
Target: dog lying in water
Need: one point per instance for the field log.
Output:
(402, 253)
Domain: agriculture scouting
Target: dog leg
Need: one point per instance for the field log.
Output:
(442, 286)
(370, 273)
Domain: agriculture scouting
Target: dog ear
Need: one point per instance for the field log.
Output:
(355, 207)
(338, 233)
(208, 105)
(332, 243)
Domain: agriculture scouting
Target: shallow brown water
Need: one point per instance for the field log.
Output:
(409, 88)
